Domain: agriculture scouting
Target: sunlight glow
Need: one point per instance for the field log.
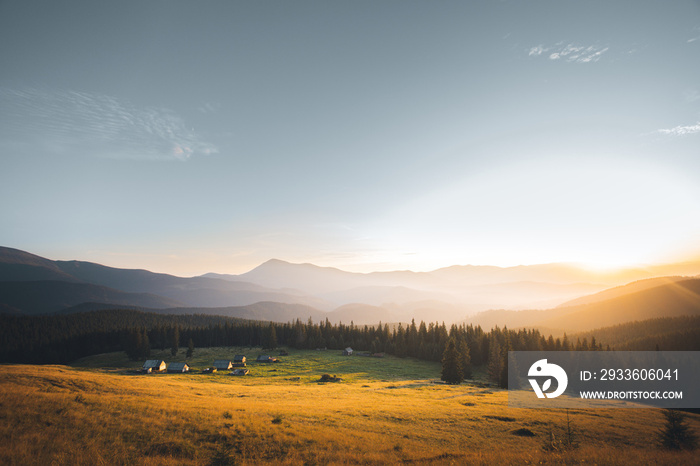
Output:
(598, 213)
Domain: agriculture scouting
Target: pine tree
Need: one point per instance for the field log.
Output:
(145, 345)
(465, 358)
(174, 340)
(451, 367)
(132, 344)
(190, 348)
(495, 363)
(503, 376)
(677, 434)
(270, 337)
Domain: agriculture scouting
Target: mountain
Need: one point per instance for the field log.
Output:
(669, 300)
(665, 333)
(673, 298)
(266, 311)
(16, 265)
(42, 297)
(121, 287)
(449, 294)
(196, 291)
(618, 291)
(473, 288)
(361, 314)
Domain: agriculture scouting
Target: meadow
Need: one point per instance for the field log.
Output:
(384, 411)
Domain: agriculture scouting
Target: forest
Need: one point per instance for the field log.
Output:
(60, 339)
(63, 338)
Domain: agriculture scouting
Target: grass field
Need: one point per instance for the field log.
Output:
(384, 411)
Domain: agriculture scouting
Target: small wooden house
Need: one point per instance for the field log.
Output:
(223, 364)
(347, 351)
(154, 365)
(178, 367)
(266, 358)
(240, 372)
(239, 360)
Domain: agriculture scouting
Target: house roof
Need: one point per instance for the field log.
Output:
(239, 357)
(177, 366)
(153, 363)
(348, 349)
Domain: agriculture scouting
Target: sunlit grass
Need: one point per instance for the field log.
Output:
(384, 411)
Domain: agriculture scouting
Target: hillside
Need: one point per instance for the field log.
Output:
(31, 284)
(448, 294)
(260, 311)
(611, 293)
(283, 416)
(674, 298)
(667, 334)
(16, 265)
(41, 297)
(669, 300)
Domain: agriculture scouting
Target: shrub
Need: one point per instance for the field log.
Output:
(677, 434)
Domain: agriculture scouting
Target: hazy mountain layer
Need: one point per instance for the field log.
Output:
(449, 294)
(674, 298)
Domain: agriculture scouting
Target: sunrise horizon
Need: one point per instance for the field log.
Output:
(172, 265)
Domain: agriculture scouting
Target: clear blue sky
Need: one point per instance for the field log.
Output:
(189, 137)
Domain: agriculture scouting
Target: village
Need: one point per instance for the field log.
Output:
(238, 365)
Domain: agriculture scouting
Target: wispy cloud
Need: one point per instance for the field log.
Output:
(96, 124)
(681, 130)
(691, 95)
(209, 107)
(570, 52)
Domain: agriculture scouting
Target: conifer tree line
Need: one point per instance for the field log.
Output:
(64, 338)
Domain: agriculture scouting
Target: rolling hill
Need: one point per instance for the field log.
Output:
(42, 297)
(673, 298)
(33, 284)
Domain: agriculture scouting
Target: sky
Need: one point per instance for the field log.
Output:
(191, 137)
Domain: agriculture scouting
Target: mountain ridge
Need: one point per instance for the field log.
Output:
(448, 294)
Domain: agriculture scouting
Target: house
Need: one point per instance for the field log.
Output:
(178, 367)
(239, 360)
(223, 364)
(266, 358)
(347, 351)
(240, 372)
(154, 365)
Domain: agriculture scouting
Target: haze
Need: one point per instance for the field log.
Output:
(188, 138)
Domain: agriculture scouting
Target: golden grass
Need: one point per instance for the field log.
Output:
(62, 415)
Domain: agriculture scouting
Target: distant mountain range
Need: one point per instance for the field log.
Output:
(282, 291)
(647, 299)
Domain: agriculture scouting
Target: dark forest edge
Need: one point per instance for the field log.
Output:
(60, 339)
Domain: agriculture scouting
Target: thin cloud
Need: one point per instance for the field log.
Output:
(571, 53)
(537, 51)
(681, 130)
(691, 95)
(96, 124)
